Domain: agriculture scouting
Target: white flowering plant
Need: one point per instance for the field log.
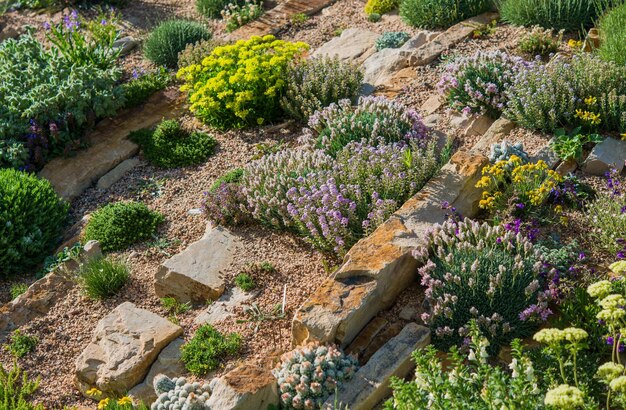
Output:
(468, 381)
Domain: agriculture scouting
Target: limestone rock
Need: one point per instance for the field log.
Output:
(168, 363)
(567, 167)
(370, 384)
(496, 133)
(610, 153)
(225, 306)
(194, 275)
(125, 343)
(418, 40)
(547, 155)
(117, 173)
(380, 67)
(353, 45)
(247, 387)
(125, 45)
(380, 266)
(432, 104)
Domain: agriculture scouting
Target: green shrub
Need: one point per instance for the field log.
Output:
(585, 91)
(170, 146)
(553, 14)
(374, 18)
(540, 42)
(380, 6)
(121, 224)
(142, 86)
(483, 273)
(211, 8)
(231, 177)
(245, 282)
(17, 289)
(16, 388)
(207, 349)
(47, 101)
(102, 277)
(20, 345)
(613, 35)
(32, 217)
(170, 38)
(391, 39)
(225, 94)
(315, 83)
(195, 53)
(431, 14)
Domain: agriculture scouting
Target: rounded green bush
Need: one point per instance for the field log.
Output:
(170, 38)
(171, 146)
(121, 224)
(380, 6)
(430, 14)
(211, 8)
(32, 217)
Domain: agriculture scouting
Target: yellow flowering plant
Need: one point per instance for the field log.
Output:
(510, 186)
(240, 84)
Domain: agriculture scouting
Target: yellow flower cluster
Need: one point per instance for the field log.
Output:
(610, 371)
(240, 84)
(531, 183)
(588, 117)
(553, 336)
(574, 43)
(104, 403)
(618, 267)
(599, 290)
(564, 397)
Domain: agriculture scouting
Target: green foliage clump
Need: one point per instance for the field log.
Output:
(103, 277)
(585, 91)
(569, 145)
(171, 146)
(430, 14)
(467, 381)
(196, 52)
(374, 18)
(231, 177)
(541, 42)
(141, 87)
(16, 388)
(54, 261)
(392, 39)
(612, 28)
(245, 282)
(17, 289)
(121, 224)
(483, 273)
(571, 15)
(20, 345)
(224, 90)
(170, 38)
(316, 83)
(32, 217)
(207, 349)
(211, 8)
(380, 6)
(238, 14)
(50, 99)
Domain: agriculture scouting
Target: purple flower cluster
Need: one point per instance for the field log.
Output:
(71, 22)
(226, 205)
(478, 84)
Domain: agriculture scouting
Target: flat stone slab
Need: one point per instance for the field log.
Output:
(224, 307)
(108, 145)
(247, 387)
(610, 153)
(117, 173)
(379, 267)
(353, 45)
(125, 343)
(168, 363)
(195, 274)
(370, 384)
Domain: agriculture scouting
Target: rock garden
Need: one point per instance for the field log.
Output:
(247, 204)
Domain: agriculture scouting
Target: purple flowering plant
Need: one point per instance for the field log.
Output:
(86, 41)
(484, 273)
(477, 84)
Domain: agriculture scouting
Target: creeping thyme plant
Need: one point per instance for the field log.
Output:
(478, 84)
(483, 273)
(240, 84)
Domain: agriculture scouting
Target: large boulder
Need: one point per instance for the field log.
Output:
(125, 343)
(353, 45)
(195, 274)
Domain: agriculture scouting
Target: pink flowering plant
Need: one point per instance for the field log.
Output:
(483, 273)
(477, 84)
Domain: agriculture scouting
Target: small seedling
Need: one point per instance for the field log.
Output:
(267, 267)
(174, 308)
(161, 244)
(299, 19)
(256, 315)
(150, 187)
(21, 345)
(245, 282)
(17, 289)
(264, 149)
